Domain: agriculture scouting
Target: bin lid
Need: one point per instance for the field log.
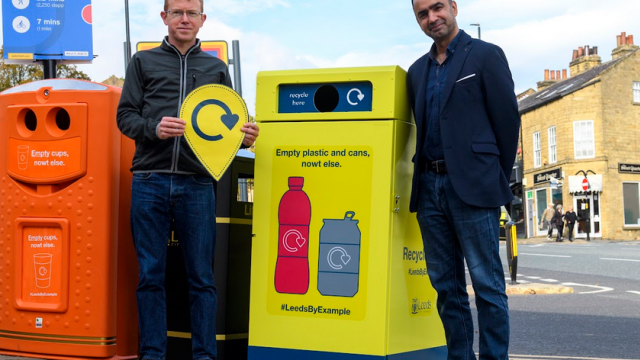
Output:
(56, 84)
(365, 93)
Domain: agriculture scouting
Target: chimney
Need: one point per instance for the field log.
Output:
(587, 59)
(575, 55)
(625, 46)
(550, 77)
(564, 74)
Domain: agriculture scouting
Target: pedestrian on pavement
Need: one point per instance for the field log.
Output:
(169, 183)
(558, 222)
(570, 218)
(545, 220)
(462, 96)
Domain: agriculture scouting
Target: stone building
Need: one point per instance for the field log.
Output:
(581, 144)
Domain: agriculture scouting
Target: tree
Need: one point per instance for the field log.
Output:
(12, 75)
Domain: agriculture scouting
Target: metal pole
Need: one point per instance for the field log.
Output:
(237, 71)
(478, 25)
(512, 250)
(49, 71)
(127, 44)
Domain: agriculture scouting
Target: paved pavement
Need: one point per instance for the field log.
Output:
(519, 289)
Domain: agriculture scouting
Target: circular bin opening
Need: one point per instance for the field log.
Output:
(326, 98)
(27, 122)
(63, 120)
(58, 121)
(30, 120)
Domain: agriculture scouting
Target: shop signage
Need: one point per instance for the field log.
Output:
(546, 176)
(629, 168)
(580, 184)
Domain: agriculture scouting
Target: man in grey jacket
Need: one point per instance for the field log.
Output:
(168, 180)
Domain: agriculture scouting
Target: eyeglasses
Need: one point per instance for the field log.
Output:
(177, 13)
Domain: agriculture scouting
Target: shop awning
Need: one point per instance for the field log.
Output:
(578, 185)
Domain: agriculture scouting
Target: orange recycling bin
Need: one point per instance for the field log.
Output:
(68, 269)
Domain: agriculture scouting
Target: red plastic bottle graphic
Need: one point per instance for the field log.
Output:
(294, 216)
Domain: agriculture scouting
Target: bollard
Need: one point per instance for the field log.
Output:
(512, 251)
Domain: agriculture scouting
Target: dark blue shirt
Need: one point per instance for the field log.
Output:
(436, 79)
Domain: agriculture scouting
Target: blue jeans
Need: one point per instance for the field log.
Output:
(190, 201)
(453, 232)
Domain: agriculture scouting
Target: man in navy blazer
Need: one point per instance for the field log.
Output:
(462, 96)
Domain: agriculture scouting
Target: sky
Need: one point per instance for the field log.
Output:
(304, 34)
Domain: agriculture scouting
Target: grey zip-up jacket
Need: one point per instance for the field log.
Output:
(157, 82)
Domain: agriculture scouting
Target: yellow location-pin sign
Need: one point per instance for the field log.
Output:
(214, 115)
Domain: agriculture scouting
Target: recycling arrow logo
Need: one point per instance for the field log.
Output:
(215, 114)
(344, 258)
(360, 96)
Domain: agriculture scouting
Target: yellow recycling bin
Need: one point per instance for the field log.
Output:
(338, 269)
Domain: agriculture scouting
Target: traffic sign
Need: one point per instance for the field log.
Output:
(585, 184)
(35, 30)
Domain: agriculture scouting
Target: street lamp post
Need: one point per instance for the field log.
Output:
(478, 25)
(127, 44)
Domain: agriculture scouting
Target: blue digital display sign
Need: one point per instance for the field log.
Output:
(36, 30)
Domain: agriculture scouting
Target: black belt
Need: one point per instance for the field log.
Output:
(437, 166)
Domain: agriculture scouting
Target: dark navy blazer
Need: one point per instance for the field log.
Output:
(479, 122)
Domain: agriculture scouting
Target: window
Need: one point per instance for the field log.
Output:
(636, 92)
(537, 154)
(583, 140)
(631, 203)
(553, 157)
(245, 190)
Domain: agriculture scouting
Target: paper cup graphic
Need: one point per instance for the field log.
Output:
(23, 156)
(42, 264)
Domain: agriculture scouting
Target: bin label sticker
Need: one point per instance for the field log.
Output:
(42, 265)
(421, 296)
(44, 160)
(214, 115)
(313, 98)
(320, 230)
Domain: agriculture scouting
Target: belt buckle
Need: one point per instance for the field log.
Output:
(437, 166)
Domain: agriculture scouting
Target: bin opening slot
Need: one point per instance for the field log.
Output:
(326, 98)
(27, 122)
(63, 121)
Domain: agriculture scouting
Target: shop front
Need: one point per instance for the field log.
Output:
(547, 190)
(587, 199)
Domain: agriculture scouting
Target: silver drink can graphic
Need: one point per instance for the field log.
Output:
(339, 258)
